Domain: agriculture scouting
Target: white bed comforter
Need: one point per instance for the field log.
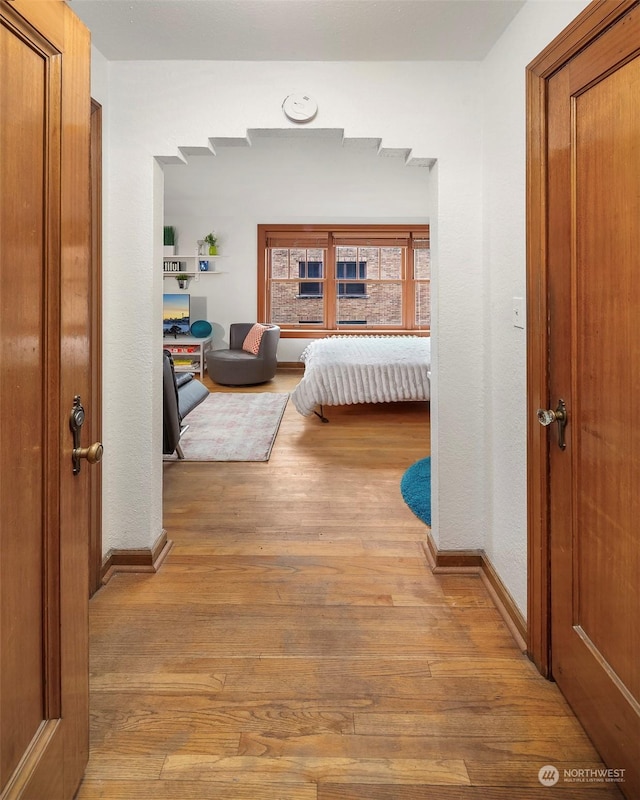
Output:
(342, 370)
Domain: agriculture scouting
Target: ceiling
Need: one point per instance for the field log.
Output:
(296, 30)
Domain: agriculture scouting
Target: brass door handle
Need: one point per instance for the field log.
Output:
(546, 416)
(94, 452)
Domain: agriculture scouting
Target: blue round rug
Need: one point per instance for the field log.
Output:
(416, 489)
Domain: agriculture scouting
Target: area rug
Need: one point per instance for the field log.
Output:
(416, 489)
(230, 426)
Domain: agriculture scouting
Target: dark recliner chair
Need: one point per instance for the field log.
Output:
(181, 393)
(236, 367)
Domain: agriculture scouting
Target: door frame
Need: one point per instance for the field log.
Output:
(95, 422)
(588, 25)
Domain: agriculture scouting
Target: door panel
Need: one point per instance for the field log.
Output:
(607, 442)
(594, 366)
(44, 247)
(21, 410)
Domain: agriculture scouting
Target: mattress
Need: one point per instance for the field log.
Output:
(342, 370)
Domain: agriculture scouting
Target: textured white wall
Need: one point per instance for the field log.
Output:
(505, 278)
(296, 179)
(132, 513)
(158, 107)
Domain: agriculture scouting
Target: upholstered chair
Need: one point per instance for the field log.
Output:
(181, 393)
(238, 366)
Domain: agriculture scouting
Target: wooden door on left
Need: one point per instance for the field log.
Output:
(44, 364)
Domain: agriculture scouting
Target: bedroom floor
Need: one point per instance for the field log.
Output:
(295, 645)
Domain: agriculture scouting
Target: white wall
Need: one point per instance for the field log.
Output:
(293, 179)
(436, 110)
(158, 107)
(505, 278)
(99, 77)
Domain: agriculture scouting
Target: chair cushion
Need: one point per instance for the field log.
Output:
(252, 340)
(190, 396)
(230, 355)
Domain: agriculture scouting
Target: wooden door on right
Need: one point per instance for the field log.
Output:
(593, 291)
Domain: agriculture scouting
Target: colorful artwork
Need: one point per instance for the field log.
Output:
(176, 309)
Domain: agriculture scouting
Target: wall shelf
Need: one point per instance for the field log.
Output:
(189, 265)
(191, 273)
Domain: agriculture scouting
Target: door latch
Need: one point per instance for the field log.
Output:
(547, 416)
(94, 453)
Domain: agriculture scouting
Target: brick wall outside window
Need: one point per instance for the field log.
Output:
(371, 297)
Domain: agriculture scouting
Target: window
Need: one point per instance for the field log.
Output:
(316, 279)
(344, 271)
(310, 269)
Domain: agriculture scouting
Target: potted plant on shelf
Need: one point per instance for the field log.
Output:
(183, 280)
(169, 240)
(212, 240)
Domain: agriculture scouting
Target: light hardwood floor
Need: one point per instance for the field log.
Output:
(296, 646)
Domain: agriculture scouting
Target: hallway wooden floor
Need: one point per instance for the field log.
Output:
(296, 646)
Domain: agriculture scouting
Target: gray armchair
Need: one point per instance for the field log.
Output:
(236, 367)
(181, 393)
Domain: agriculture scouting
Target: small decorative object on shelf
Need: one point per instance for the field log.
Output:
(173, 266)
(183, 280)
(202, 249)
(169, 240)
(204, 266)
(212, 240)
(201, 328)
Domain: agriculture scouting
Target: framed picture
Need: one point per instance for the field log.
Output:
(176, 313)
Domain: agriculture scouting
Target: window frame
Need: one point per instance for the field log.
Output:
(329, 238)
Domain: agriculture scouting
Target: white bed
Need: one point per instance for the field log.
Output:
(342, 370)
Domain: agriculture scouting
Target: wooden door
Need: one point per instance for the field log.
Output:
(587, 287)
(44, 363)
